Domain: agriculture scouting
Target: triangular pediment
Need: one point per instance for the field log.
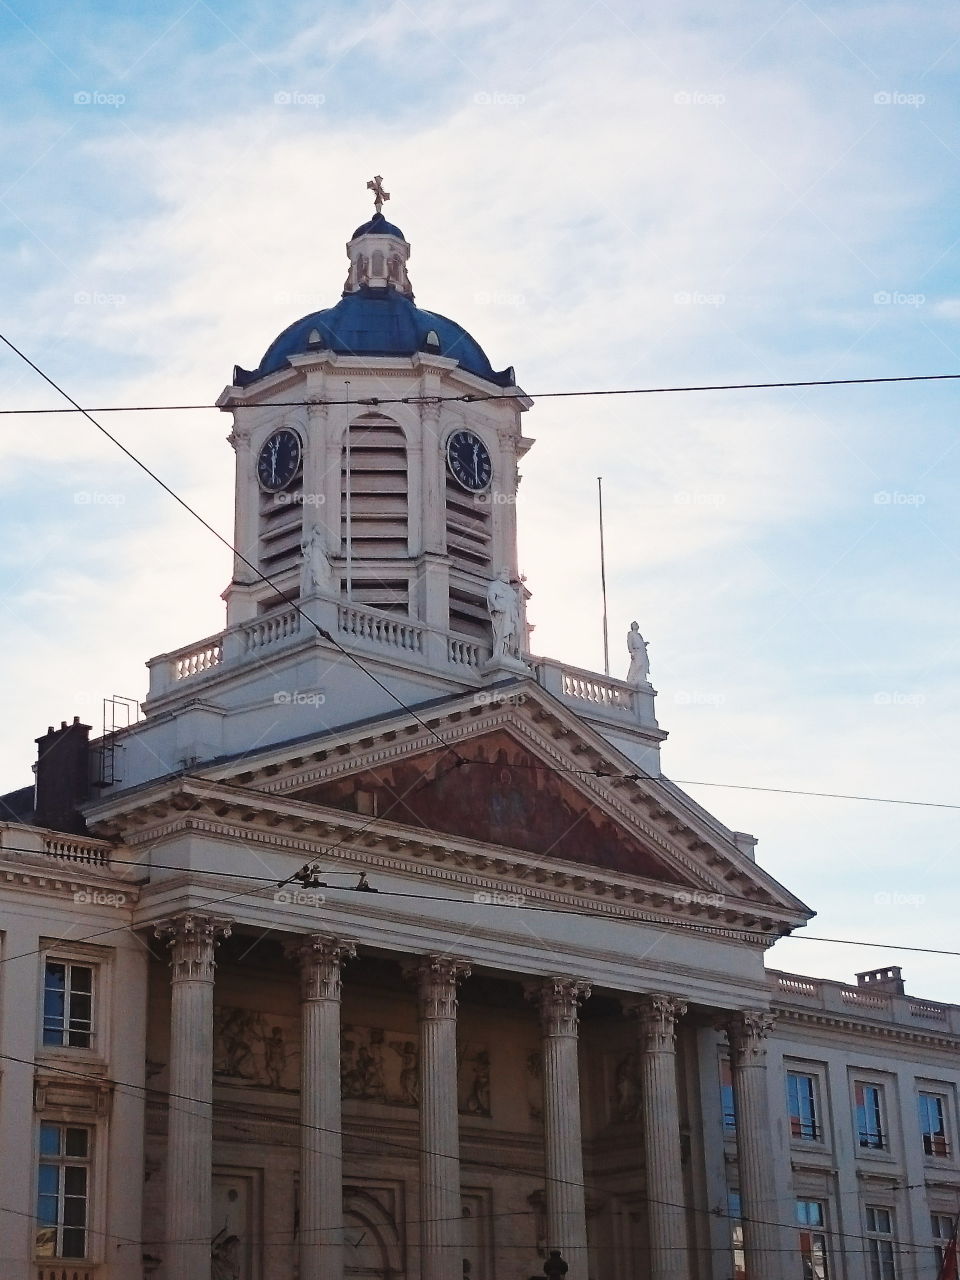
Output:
(495, 789)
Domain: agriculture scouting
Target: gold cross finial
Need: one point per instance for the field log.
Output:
(379, 195)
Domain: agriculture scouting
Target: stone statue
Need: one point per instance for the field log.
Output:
(639, 672)
(315, 568)
(503, 602)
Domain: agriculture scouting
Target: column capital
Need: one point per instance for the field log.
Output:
(436, 978)
(321, 958)
(559, 999)
(747, 1033)
(193, 938)
(658, 1016)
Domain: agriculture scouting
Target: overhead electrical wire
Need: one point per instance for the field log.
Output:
(475, 397)
(412, 1152)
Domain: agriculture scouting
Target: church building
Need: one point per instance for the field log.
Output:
(378, 947)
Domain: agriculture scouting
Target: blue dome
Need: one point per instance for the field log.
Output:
(378, 226)
(376, 322)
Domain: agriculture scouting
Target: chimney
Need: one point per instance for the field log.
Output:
(888, 980)
(63, 777)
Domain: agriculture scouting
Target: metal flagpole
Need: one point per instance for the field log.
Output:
(347, 500)
(603, 582)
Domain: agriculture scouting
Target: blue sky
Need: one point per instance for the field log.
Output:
(606, 195)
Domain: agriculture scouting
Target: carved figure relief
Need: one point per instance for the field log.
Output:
(379, 1066)
(473, 1080)
(626, 1090)
(255, 1048)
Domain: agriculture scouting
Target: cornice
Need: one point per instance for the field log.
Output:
(250, 817)
(400, 738)
(871, 1030)
(54, 883)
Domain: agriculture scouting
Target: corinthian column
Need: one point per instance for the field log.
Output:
(192, 939)
(441, 1247)
(666, 1214)
(559, 1001)
(747, 1033)
(321, 1144)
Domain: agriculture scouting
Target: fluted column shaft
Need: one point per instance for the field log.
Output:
(666, 1214)
(189, 1187)
(559, 999)
(321, 1143)
(747, 1033)
(441, 1236)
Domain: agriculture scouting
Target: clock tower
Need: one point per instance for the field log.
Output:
(376, 463)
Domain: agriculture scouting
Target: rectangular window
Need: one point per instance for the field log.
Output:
(941, 1228)
(726, 1097)
(802, 1104)
(68, 1004)
(62, 1190)
(869, 1104)
(811, 1218)
(736, 1235)
(881, 1262)
(933, 1125)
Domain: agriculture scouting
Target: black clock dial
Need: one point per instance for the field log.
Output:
(468, 461)
(279, 460)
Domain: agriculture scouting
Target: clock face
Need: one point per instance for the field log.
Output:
(279, 460)
(468, 461)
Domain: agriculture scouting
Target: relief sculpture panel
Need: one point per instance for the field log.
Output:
(377, 1065)
(254, 1048)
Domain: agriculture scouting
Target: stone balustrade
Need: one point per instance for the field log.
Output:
(886, 1006)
